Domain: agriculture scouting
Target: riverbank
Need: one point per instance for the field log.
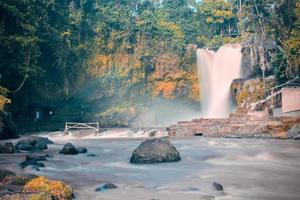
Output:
(255, 125)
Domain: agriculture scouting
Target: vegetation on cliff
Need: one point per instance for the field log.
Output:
(105, 59)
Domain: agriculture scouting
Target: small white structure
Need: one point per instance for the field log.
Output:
(290, 99)
(81, 126)
(284, 99)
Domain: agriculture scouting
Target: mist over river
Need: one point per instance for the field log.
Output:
(248, 169)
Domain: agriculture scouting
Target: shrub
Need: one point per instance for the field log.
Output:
(57, 189)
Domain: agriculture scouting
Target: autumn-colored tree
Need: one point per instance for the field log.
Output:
(219, 15)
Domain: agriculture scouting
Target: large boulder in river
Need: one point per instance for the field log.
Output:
(32, 143)
(69, 149)
(155, 151)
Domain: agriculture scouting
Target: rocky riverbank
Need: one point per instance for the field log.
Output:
(253, 125)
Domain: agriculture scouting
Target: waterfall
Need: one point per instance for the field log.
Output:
(216, 70)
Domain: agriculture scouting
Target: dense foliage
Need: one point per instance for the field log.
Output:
(68, 54)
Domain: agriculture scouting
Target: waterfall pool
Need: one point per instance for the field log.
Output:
(248, 169)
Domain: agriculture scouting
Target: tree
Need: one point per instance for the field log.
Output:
(219, 15)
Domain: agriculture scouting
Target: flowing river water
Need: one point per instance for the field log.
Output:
(216, 71)
(248, 169)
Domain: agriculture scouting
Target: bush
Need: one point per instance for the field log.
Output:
(57, 189)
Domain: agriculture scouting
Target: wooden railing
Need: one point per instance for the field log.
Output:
(273, 92)
(77, 125)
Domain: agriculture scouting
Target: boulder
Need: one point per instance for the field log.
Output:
(32, 143)
(81, 150)
(4, 173)
(155, 151)
(41, 146)
(24, 147)
(217, 186)
(294, 131)
(68, 149)
(7, 148)
(297, 137)
(33, 160)
(106, 186)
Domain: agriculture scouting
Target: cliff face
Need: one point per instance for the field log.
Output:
(171, 81)
(120, 86)
(244, 92)
(258, 54)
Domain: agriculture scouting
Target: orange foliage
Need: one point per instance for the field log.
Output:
(100, 64)
(195, 89)
(166, 89)
(57, 189)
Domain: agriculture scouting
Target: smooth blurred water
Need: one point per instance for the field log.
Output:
(249, 169)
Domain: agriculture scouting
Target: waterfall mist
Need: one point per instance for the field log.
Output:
(216, 70)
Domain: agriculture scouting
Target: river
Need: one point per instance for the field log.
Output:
(248, 169)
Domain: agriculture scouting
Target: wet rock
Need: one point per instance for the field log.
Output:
(35, 168)
(16, 180)
(33, 140)
(106, 186)
(36, 157)
(69, 149)
(91, 155)
(24, 147)
(155, 151)
(198, 134)
(7, 148)
(297, 137)
(42, 146)
(35, 163)
(81, 150)
(48, 156)
(217, 186)
(294, 131)
(33, 160)
(4, 173)
(33, 143)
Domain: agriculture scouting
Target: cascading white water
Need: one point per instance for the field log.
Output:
(216, 70)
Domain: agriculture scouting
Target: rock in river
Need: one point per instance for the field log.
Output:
(32, 143)
(294, 132)
(69, 149)
(33, 160)
(81, 150)
(217, 186)
(106, 186)
(155, 151)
